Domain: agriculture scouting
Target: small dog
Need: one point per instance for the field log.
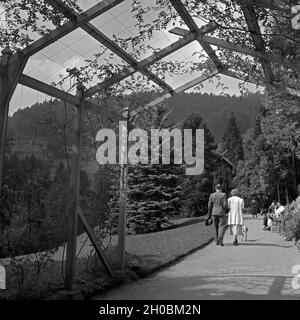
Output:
(245, 233)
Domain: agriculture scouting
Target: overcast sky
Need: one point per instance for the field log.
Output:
(73, 49)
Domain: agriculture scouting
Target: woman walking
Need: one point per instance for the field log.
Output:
(235, 215)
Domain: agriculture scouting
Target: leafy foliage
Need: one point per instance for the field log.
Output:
(271, 149)
(35, 205)
(26, 20)
(291, 221)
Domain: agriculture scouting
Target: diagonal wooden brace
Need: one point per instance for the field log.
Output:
(90, 233)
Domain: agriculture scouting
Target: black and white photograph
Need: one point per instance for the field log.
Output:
(150, 154)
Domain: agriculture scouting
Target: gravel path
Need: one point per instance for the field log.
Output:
(258, 269)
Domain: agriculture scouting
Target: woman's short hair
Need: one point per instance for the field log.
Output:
(235, 192)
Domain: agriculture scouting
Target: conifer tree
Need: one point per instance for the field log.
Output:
(232, 142)
(196, 189)
(154, 196)
(154, 190)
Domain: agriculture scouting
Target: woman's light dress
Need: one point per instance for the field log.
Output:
(235, 215)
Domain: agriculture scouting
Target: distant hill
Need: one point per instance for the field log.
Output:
(216, 110)
(34, 121)
(38, 129)
(32, 124)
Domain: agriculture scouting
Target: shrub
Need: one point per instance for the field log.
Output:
(29, 276)
(291, 222)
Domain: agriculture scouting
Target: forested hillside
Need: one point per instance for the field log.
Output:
(216, 110)
(40, 120)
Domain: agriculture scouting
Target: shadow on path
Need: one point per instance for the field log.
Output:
(225, 287)
(264, 244)
(254, 243)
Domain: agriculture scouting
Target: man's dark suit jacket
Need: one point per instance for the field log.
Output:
(217, 204)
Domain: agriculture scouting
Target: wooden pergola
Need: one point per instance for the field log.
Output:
(12, 67)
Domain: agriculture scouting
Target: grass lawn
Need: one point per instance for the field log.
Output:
(157, 249)
(145, 253)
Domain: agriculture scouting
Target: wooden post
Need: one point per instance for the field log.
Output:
(297, 44)
(123, 157)
(9, 75)
(4, 106)
(74, 187)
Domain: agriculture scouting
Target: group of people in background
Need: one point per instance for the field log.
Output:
(219, 206)
(275, 211)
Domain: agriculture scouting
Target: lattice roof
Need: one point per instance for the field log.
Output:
(103, 32)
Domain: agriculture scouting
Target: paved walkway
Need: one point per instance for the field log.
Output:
(258, 269)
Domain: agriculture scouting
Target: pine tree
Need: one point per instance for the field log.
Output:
(154, 191)
(232, 142)
(197, 189)
(154, 196)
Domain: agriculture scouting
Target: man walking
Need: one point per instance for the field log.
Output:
(254, 208)
(217, 206)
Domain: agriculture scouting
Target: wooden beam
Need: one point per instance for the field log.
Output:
(123, 161)
(226, 72)
(40, 86)
(4, 108)
(67, 97)
(63, 8)
(180, 32)
(73, 208)
(92, 30)
(184, 14)
(150, 75)
(189, 21)
(123, 75)
(296, 27)
(126, 72)
(183, 88)
(251, 20)
(12, 70)
(159, 100)
(68, 27)
(233, 74)
(102, 38)
(287, 89)
(240, 48)
(197, 81)
(190, 37)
